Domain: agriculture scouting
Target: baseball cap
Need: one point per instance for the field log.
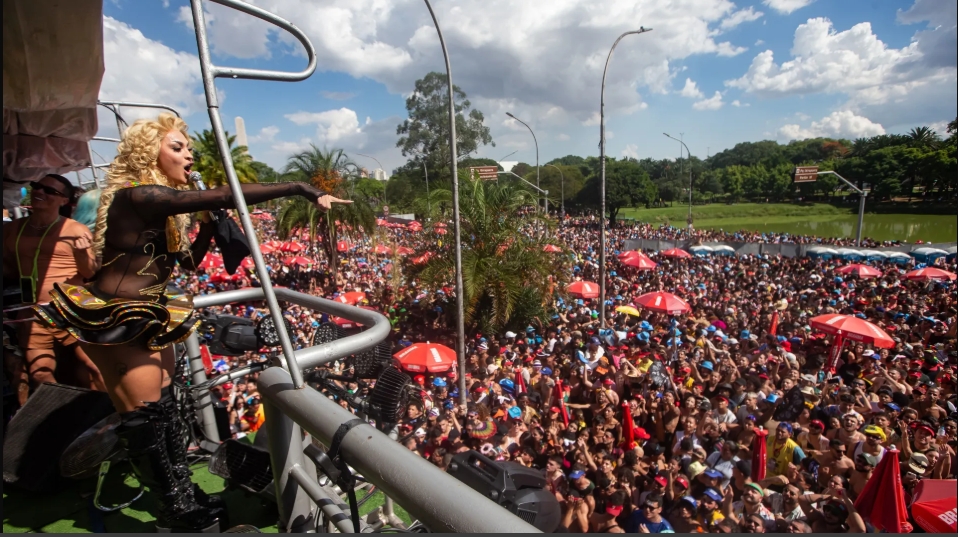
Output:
(681, 480)
(510, 335)
(439, 382)
(576, 474)
(712, 473)
(691, 501)
(661, 480)
(515, 412)
(707, 365)
(713, 494)
(771, 398)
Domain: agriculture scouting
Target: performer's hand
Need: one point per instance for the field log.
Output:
(326, 202)
(83, 242)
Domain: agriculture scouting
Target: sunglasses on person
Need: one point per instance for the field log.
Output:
(873, 437)
(48, 190)
(834, 510)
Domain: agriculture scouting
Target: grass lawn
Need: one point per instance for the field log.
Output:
(764, 212)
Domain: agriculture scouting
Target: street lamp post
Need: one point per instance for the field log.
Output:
(689, 153)
(605, 71)
(534, 140)
(385, 182)
(425, 172)
(561, 189)
(460, 315)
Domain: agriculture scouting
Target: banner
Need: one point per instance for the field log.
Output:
(774, 329)
(834, 353)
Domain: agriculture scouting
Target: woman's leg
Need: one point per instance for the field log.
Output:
(87, 373)
(133, 375)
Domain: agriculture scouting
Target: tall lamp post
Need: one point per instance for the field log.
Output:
(425, 172)
(689, 153)
(605, 71)
(534, 140)
(561, 188)
(384, 174)
(460, 320)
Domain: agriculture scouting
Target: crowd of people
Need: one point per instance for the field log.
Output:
(561, 394)
(651, 423)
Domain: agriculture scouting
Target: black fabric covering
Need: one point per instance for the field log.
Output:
(231, 241)
(791, 406)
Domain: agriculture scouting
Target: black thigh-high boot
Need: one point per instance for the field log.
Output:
(176, 446)
(142, 433)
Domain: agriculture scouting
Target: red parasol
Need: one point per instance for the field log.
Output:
(882, 501)
(298, 260)
(853, 328)
(291, 247)
(759, 454)
(381, 222)
(404, 250)
(247, 263)
(342, 246)
(440, 224)
(381, 249)
(211, 261)
(422, 259)
(351, 298)
(584, 289)
(930, 273)
(935, 505)
(662, 302)
(441, 230)
(272, 244)
(862, 271)
(676, 252)
(426, 357)
(346, 323)
(266, 249)
(414, 226)
(551, 248)
(639, 261)
(627, 253)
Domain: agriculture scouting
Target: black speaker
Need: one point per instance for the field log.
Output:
(222, 420)
(54, 416)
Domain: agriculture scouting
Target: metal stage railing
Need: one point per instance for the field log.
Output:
(436, 499)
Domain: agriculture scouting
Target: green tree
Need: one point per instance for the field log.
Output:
(507, 277)
(425, 134)
(627, 184)
(208, 160)
(924, 137)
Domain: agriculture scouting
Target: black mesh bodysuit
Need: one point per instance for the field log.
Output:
(136, 263)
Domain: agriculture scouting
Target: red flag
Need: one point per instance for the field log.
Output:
(520, 382)
(207, 359)
(628, 428)
(560, 402)
(882, 501)
(774, 328)
(834, 353)
(759, 458)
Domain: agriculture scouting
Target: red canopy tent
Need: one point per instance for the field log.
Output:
(584, 289)
(862, 271)
(853, 328)
(426, 357)
(935, 505)
(930, 273)
(676, 252)
(882, 501)
(662, 302)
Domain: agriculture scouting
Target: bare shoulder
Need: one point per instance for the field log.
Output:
(73, 227)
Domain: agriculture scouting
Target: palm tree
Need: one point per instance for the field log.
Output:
(209, 161)
(923, 137)
(326, 170)
(507, 277)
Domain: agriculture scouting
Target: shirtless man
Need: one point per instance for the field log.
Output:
(849, 432)
(835, 462)
(605, 522)
(927, 405)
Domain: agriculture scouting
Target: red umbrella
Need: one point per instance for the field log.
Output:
(346, 323)
(342, 246)
(639, 261)
(426, 357)
(935, 505)
(584, 289)
(266, 249)
(930, 273)
(662, 302)
(351, 298)
(381, 222)
(440, 224)
(675, 252)
(381, 249)
(853, 328)
(291, 247)
(272, 244)
(403, 250)
(247, 263)
(298, 260)
(627, 254)
(422, 259)
(441, 230)
(551, 248)
(882, 501)
(759, 454)
(414, 226)
(211, 261)
(862, 271)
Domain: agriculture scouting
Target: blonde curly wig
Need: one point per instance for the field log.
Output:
(136, 161)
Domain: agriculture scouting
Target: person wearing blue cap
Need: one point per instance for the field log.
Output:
(782, 450)
(439, 382)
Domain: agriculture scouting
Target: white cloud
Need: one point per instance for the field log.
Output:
(563, 137)
(631, 151)
(739, 104)
(939, 43)
(266, 134)
(331, 126)
(739, 17)
(712, 103)
(144, 70)
(839, 124)
(691, 90)
(787, 6)
(338, 95)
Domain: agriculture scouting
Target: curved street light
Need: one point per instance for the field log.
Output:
(689, 153)
(641, 30)
(561, 187)
(534, 140)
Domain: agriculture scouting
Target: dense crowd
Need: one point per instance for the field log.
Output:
(652, 424)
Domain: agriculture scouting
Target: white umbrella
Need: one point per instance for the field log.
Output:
(701, 249)
(928, 251)
(723, 248)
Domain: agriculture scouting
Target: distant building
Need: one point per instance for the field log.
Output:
(380, 174)
(241, 132)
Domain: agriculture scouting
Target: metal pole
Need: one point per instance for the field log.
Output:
(385, 202)
(861, 204)
(535, 141)
(689, 153)
(198, 376)
(460, 321)
(605, 72)
(285, 439)
(96, 178)
(562, 188)
(428, 201)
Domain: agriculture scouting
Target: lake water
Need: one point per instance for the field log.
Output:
(907, 227)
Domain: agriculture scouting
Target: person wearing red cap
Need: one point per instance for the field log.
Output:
(607, 522)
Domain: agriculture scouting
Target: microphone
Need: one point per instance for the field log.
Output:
(197, 179)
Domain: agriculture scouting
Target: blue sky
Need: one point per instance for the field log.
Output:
(721, 72)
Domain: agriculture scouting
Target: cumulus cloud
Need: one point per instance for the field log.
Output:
(266, 134)
(712, 103)
(631, 151)
(338, 95)
(691, 90)
(939, 43)
(839, 124)
(739, 17)
(739, 104)
(331, 125)
(787, 6)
